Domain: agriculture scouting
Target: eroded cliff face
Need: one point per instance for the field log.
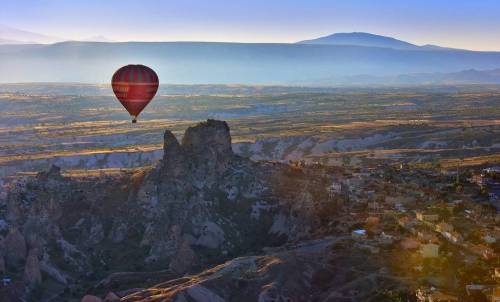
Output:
(200, 205)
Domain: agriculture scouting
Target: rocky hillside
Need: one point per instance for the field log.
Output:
(319, 270)
(65, 236)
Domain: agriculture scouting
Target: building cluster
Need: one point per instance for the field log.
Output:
(450, 239)
(489, 182)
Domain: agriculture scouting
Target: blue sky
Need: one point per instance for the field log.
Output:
(464, 24)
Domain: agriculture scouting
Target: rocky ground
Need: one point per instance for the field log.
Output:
(201, 208)
(318, 270)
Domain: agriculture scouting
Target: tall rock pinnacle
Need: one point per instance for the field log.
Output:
(205, 150)
(212, 136)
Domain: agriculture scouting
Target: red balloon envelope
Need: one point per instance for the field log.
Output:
(135, 86)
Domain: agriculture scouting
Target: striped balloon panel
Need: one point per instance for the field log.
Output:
(135, 86)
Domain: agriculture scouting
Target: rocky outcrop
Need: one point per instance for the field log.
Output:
(200, 205)
(193, 179)
(53, 272)
(209, 140)
(211, 236)
(204, 154)
(32, 273)
(2, 264)
(15, 292)
(320, 270)
(185, 258)
(15, 247)
(90, 298)
(54, 173)
(111, 297)
(171, 146)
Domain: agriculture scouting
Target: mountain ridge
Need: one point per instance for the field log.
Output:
(228, 63)
(361, 39)
(365, 39)
(11, 35)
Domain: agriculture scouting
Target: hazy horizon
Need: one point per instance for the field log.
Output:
(457, 24)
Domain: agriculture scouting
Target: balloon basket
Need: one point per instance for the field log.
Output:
(134, 121)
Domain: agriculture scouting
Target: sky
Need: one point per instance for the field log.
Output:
(472, 24)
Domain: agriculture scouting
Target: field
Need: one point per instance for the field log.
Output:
(84, 127)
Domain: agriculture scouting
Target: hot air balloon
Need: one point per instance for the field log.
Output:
(134, 86)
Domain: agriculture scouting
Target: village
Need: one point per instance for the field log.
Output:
(440, 230)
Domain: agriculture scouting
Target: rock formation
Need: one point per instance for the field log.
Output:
(15, 247)
(90, 298)
(200, 205)
(32, 274)
(2, 264)
(111, 297)
(314, 270)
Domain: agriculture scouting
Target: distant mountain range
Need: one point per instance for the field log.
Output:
(10, 35)
(98, 39)
(338, 59)
(368, 40)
